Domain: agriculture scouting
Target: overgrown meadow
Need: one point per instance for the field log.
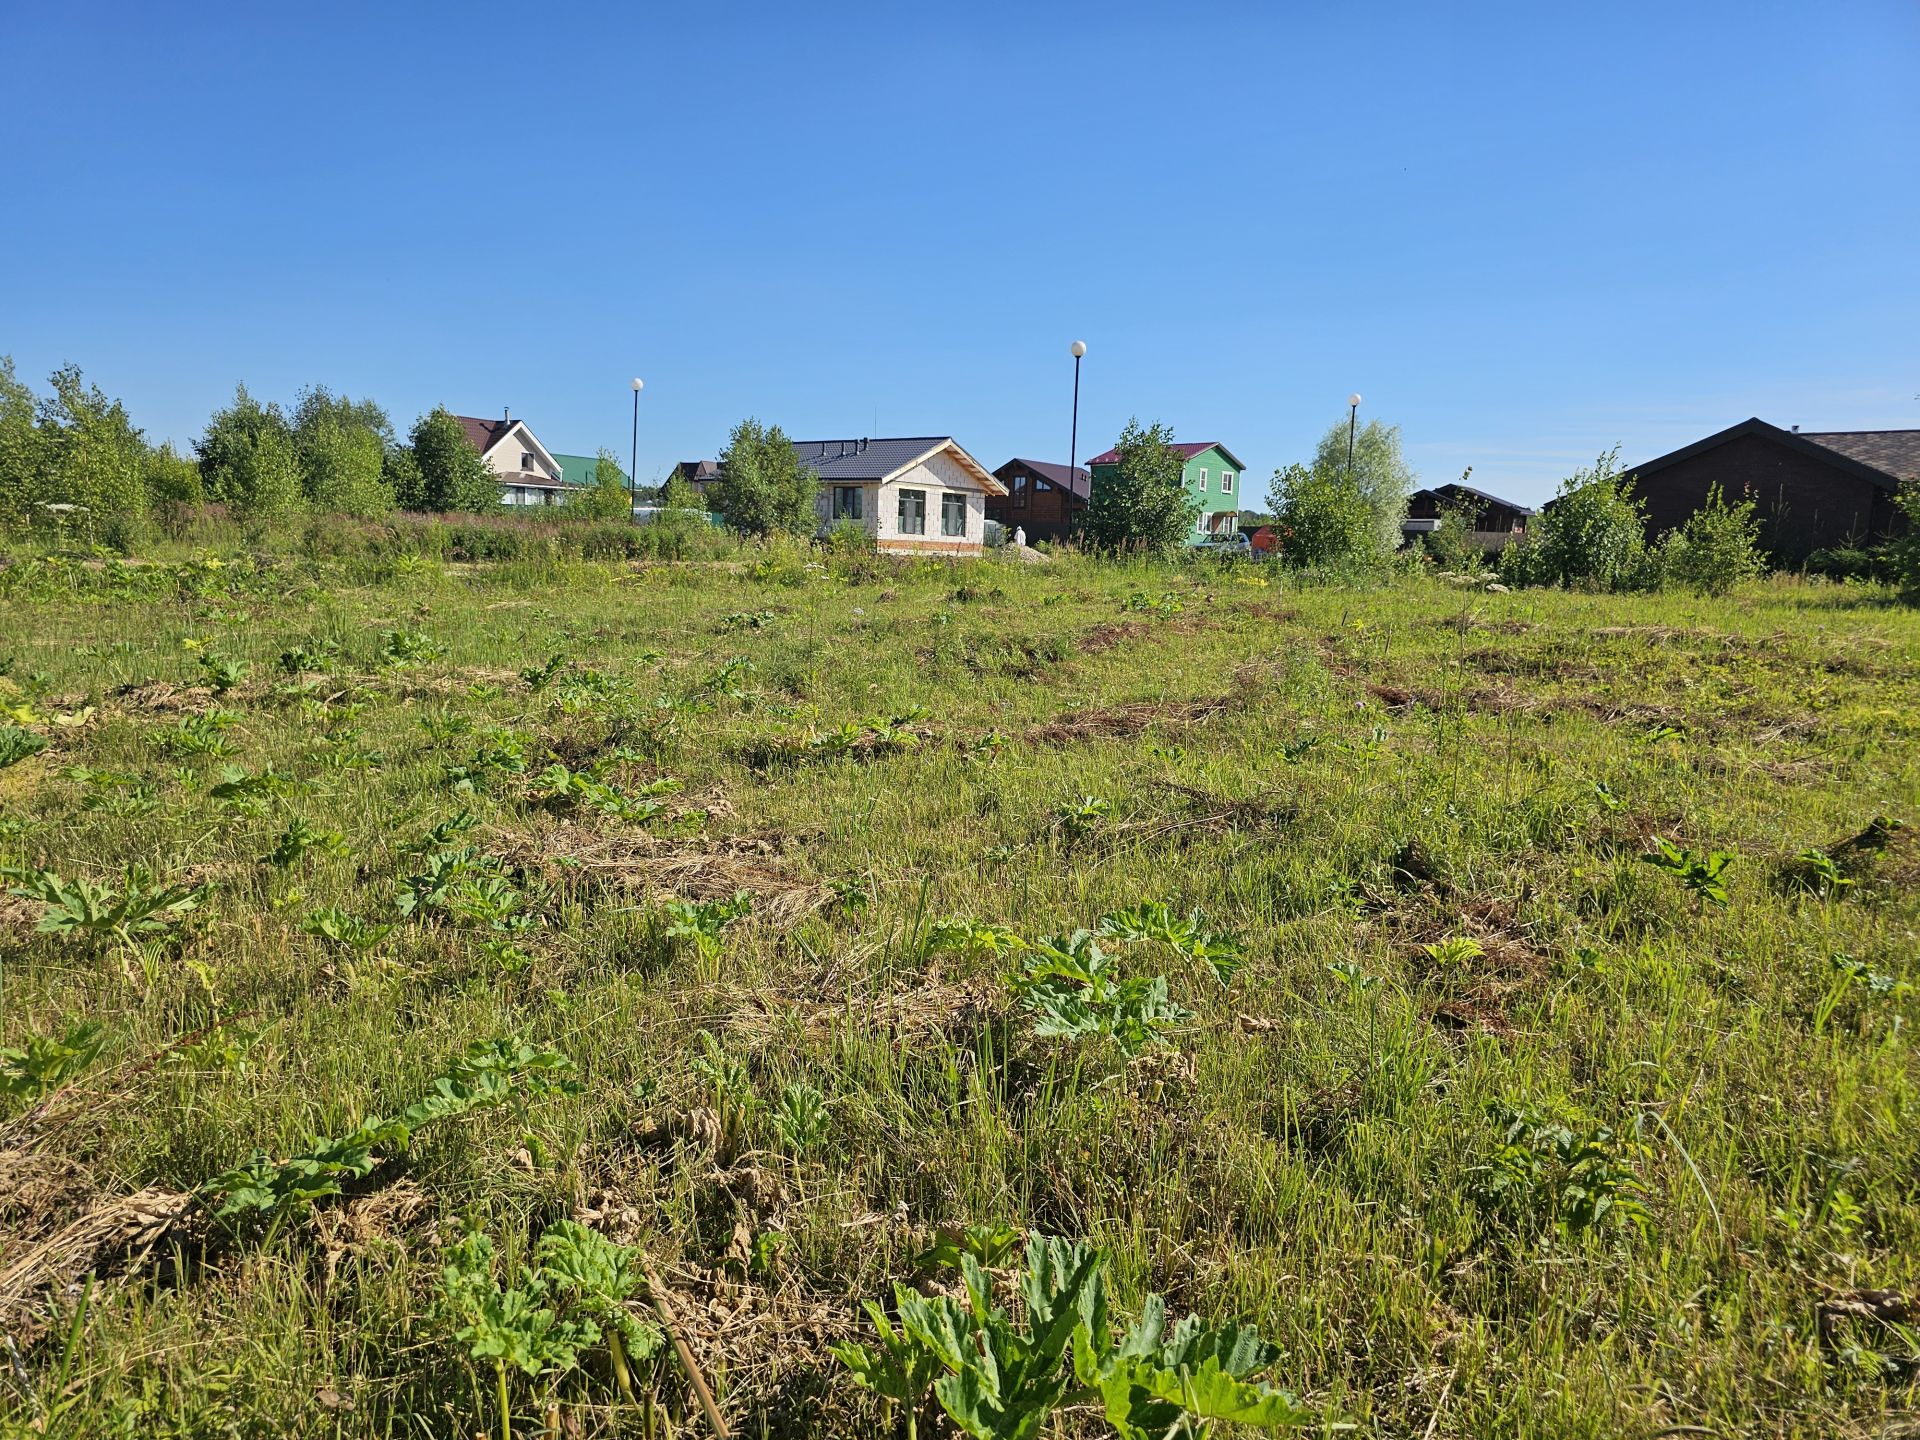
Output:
(1063, 1000)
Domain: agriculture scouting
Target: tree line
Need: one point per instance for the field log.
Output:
(74, 451)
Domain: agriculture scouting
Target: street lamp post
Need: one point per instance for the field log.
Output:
(1079, 349)
(1353, 419)
(633, 455)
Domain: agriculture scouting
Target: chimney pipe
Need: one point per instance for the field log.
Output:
(505, 414)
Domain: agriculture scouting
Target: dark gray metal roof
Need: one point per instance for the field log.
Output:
(1453, 489)
(846, 462)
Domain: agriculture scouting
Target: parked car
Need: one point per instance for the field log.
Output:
(1228, 547)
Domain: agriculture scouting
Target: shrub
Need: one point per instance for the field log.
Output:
(1903, 552)
(1452, 546)
(248, 463)
(1376, 467)
(1716, 549)
(452, 476)
(1142, 502)
(607, 498)
(850, 537)
(763, 488)
(1323, 519)
(1854, 562)
(1593, 534)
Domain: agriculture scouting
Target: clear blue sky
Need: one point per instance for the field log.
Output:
(1524, 232)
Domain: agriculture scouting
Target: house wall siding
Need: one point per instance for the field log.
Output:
(1218, 511)
(936, 475)
(504, 457)
(1803, 503)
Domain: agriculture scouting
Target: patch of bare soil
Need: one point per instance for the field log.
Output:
(1102, 638)
(1478, 994)
(1136, 717)
(1884, 855)
(683, 867)
(159, 697)
(935, 1009)
(1486, 700)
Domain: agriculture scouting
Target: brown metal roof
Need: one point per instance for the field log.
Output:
(1074, 483)
(1187, 449)
(483, 435)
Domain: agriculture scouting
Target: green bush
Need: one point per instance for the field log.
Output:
(248, 462)
(1142, 503)
(1903, 551)
(1716, 549)
(1853, 562)
(1592, 535)
(764, 489)
(1324, 520)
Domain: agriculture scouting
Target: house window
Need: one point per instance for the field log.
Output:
(847, 504)
(953, 514)
(913, 512)
(1226, 482)
(1203, 478)
(526, 459)
(1019, 492)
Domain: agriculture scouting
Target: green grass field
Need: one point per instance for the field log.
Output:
(1494, 1128)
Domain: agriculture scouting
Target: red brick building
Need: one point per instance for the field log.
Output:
(1044, 499)
(1812, 491)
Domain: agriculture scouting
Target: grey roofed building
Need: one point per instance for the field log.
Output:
(847, 462)
(697, 473)
(843, 462)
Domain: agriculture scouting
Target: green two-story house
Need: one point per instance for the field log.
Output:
(1213, 474)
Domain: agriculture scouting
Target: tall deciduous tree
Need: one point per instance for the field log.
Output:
(19, 450)
(247, 461)
(171, 480)
(91, 454)
(342, 446)
(1322, 518)
(1142, 503)
(452, 474)
(1379, 470)
(1593, 533)
(763, 486)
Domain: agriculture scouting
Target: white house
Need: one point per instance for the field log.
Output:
(919, 495)
(529, 475)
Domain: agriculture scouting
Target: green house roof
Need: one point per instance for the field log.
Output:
(580, 469)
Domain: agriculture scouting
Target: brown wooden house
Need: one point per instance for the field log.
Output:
(1811, 491)
(1046, 500)
(1496, 522)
